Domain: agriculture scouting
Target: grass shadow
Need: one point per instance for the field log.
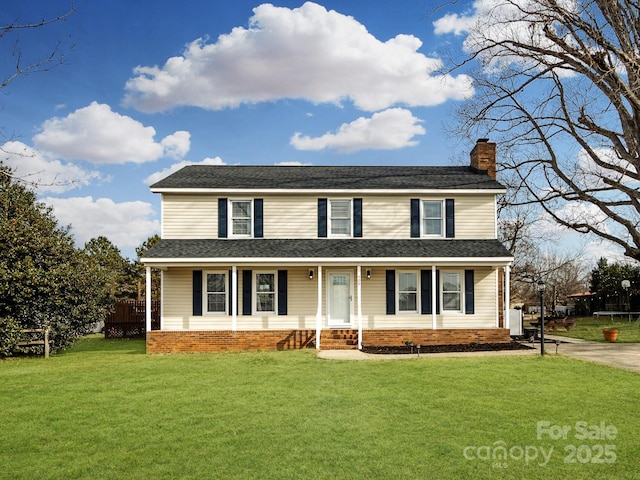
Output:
(97, 343)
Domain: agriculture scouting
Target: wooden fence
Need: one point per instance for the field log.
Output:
(128, 319)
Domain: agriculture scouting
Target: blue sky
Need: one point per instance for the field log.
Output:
(148, 86)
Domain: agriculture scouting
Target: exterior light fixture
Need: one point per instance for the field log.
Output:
(311, 274)
(368, 272)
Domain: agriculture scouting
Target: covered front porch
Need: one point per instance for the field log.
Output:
(264, 286)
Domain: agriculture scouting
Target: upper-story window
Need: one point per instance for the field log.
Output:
(432, 218)
(241, 218)
(340, 218)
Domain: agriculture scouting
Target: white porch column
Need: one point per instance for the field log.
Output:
(234, 298)
(148, 299)
(507, 296)
(319, 309)
(498, 297)
(359, 293)
(434, 296)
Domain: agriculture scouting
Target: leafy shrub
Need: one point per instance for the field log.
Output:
(10, 333)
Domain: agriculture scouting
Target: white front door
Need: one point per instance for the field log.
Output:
(339, 299)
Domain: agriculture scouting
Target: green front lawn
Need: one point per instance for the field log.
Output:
(104, 409)
(590, 328)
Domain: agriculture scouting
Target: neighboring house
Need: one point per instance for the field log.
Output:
(275, 257)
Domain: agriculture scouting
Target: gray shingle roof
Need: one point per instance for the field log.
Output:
(325, 248)
(327, 177)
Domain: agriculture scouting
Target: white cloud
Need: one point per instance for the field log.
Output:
(591, 175)
(97, 134)
(177, 145)
(157, 176)
(594, 251)
(388, 130)
(582, 212)
(42, 171)
(126, 224)
(305, 53)
(454, 23)
(293, 164)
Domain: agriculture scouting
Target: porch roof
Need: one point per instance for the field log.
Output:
(300, 251)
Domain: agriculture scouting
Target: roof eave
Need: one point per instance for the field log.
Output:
(327, 191)
(326, 261)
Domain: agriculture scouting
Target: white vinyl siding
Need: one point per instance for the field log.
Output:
(486, 307)
(189, 216)
(389, 216)
(373, 303)
(302, 302)
(385, 217)
(177, 304)
(291, 216)
(475, 216)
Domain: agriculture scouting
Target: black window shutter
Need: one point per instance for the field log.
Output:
(257, 218)
(469, 305)
(449, 218)
(246, 292)
(425, 292)
(438, 291)
(415, 218)
(282, 292)
(322, 217)
(391, 292)
(357, 217)
(222, 218)
(230, 292)
(197, 293)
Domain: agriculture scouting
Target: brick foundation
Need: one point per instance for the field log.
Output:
(449, 336)
(227, 341)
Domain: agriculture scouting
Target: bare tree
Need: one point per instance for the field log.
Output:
(563, 274)
(20, 64)
(18, 67)
(559, 89)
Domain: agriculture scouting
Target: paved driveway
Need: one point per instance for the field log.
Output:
(622, 355)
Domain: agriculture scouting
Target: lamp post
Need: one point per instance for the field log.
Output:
(625, 286)
(541, 290)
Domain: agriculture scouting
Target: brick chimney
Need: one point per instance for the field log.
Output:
(483, 156)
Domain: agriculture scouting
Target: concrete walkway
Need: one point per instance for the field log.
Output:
(620, 355)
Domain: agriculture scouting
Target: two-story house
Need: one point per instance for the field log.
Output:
(279, 257)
